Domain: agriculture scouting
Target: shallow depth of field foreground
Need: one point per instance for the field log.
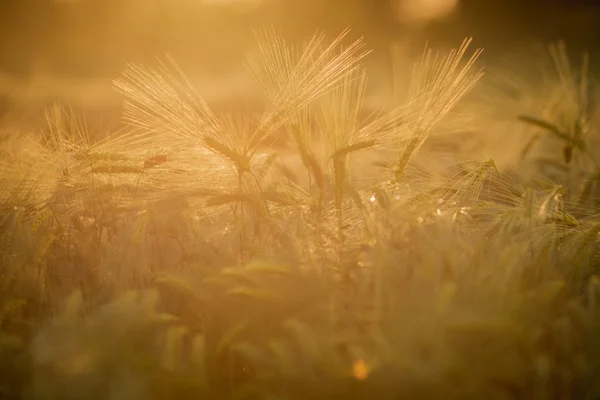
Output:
(444, 246)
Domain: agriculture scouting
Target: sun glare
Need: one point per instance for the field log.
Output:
(423, 10)
(360, 369)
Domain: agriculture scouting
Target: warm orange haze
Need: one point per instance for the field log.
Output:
(299, 199)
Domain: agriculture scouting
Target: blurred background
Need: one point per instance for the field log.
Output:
(73, 49)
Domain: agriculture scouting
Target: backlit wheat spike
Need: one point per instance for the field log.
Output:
(313, 73)
(468, 188)
(340, 114)
(436, 87)
(288, 193)
(162, 99)
(66, 129)
(27, 181)
(74, 156)
(265, 166)
(388, 129)
(272, 75)
(574, 85)
(439, 83)
(236, 147)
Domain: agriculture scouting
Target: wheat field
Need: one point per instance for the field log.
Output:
(442, 244)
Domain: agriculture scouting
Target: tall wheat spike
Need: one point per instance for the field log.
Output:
(437, 84)
(292, 79)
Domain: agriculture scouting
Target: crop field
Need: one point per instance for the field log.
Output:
(334, 234)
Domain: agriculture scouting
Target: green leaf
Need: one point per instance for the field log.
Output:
(540, 123)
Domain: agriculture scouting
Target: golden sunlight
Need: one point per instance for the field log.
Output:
(423, 10)
(299, 199)
(233, 3)
(360, 369)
